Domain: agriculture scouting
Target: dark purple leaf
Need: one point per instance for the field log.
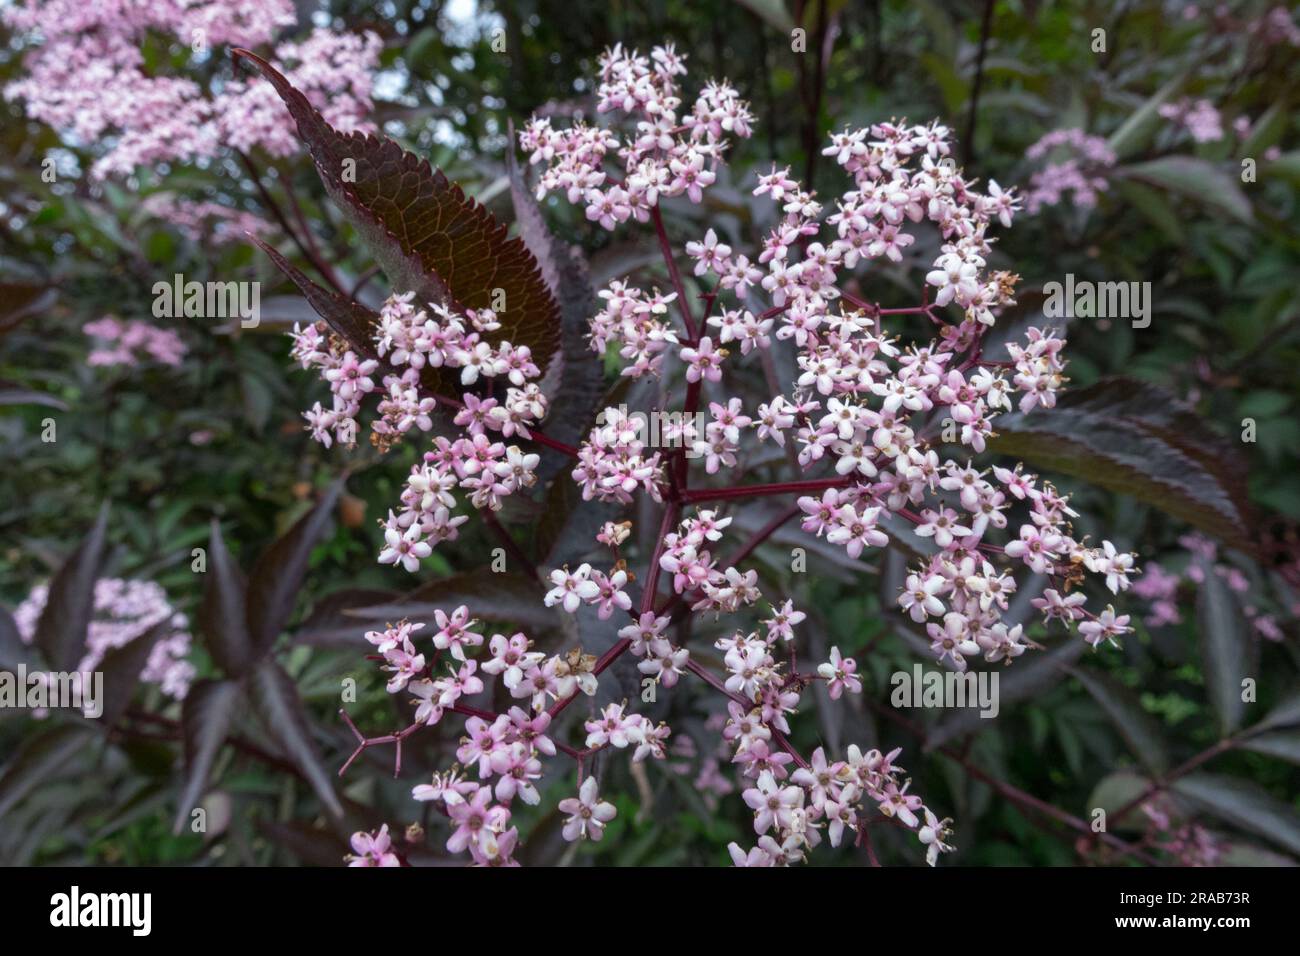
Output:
(223, 616)
(1245, 805)
(1138, 439)
(61, 630)
(278, 574)
(277, 703)
(1226, 649)
(17, 395)
(510, 598)
(428, 237)
(38, 759)
(350, 320)
(121, 668)
(575, 381)
(1135, 725)
(205, 720)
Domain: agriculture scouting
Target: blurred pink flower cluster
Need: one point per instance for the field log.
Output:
(1078, 167)
(123, 611)
(129, 342)
(1199, 117)
(1189, 843)
(87, 77)
(209, 221)
(1160, 587)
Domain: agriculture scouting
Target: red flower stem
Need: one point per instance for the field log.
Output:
(269, 202)
(666, 248)
(679, 461)
(759, 491)
(651, 585)
(509, 543)
(546, 440)
(717, 684)
(672, 605)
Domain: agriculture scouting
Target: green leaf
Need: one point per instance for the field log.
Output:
(1285, 714)
(1136, 131)
(1237, 853)
(61, 630)
(1267, 131)
(1244, 805)
(1288, 165)
(1154, 206)
(1135, 725)
(206, 715)
(223, 616)
(1114, 792)
(428, 237)
(771, 12)
(37, 759)
(1225, 649)
(281, 711)
(1197, 179)
(1138, 439)
(278, 574)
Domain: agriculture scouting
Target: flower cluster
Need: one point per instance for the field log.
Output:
(124, 610)
(827, 795)
(1159, 587)
(1078, 167)
(888, 430)
(88, 76)
(132, 341)
(1199, 117)
(407, 342)
(210, 221)
(668, 154)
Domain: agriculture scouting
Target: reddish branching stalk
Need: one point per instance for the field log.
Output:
(762, 491)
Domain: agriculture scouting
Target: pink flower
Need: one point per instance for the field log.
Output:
(772, 804)
(840, 674)
(572, 588)
(588, 814)
(703, 361)
(373, 849)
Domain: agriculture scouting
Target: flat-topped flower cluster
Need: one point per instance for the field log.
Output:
(885, 426)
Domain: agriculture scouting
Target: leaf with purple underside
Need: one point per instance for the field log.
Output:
(426, 234)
